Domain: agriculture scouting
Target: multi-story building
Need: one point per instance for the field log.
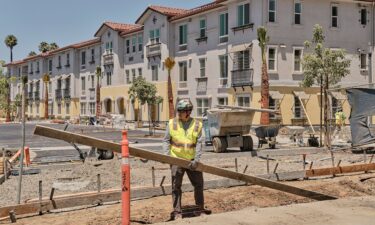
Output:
(218, 59)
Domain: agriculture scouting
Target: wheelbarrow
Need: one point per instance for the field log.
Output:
(267, 135)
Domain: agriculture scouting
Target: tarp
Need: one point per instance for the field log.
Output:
(362, 102)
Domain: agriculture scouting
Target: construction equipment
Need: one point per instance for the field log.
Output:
(267, 135)
(229, 126)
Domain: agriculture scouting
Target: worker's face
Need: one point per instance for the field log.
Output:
(184, 115)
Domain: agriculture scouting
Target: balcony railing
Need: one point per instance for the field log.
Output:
(92, 93)
(153, 50)
(30, 96)
(241, 78)
(67, 93)
(58, 94)
(36, 96)
(108, 59)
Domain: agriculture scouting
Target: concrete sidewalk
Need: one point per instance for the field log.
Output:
(350, 211)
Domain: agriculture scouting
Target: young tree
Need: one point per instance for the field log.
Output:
(43, 47)
(169, 63)
(324, 67)
(53, 46)
(145, 93)
(264, 85)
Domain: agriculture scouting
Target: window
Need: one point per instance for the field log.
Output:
(31, 109)
(37, 108)
(92, 81)
(202, 67)
(108, 47)
(140, 42)
(297, 12)
(134, 43)
(223, 70)
(59, 108)
(363, 59)
(83, 108)
(50, 109)
(155, 36)
(272, 59)
(243, 101)
(92, 55)
(242, 60)
(334, 16)
(202, 28)
(202, 106)
(297, 108)
(364, 16)
(272, 105)
(127, 46)
(59, 61)
(297, 65)
(127, 75)
(183, 37)
(223, 35)
(140, 72)
(83, 85)
(133, 75)
(31, 68)
(109, 78)
(67, 59)
(67, 108)
(222, 101)
(50, 88)
(92, 108)
(271, 11)
(50, 66)
(83, 60)
(243, 14)
(336, 106)
(154, 69)
(183, 75)
(37, 67)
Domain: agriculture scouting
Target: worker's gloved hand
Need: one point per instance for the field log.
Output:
(193, 165)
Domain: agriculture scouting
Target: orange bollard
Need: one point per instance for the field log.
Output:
(27, 156)
(125, 169)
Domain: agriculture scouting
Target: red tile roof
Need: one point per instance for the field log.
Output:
(134, 30)
(199, 9)
(122, 27)
(168, 11)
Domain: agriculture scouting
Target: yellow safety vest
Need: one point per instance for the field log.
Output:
(183, 143)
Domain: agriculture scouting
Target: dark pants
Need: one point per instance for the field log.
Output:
(196, 179)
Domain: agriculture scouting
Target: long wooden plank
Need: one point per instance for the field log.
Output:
(34, 206)
(340, 170)
(289, 152)
(138, 152)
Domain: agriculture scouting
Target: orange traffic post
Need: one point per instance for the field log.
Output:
(125, 169)
(27, 156)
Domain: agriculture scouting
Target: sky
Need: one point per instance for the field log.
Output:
(67, 21)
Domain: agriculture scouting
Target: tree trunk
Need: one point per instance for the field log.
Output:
(98, 106)
(264, 86)
(149, 118)
(7, 119)
(170, 96)
(46, 101)
(326, 135)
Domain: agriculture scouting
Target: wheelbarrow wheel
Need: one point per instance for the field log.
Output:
(247, 143)
(220, 144)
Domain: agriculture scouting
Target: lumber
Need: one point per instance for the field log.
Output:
(34, 206)
(340, 170)
(142, 153)
(289, 152)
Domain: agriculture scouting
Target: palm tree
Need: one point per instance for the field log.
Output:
(46, 79)
(98, 73)
(53, 46)
(10, 42)
(264, 85)
(169, 63)
(32, 53)
(43, 47)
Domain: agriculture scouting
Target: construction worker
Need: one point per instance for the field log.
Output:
(183, 139)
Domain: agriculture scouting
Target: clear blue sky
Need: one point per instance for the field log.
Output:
(67, 21)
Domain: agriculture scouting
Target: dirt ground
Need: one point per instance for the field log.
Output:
(158, 209)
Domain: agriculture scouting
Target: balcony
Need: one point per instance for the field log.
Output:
(30, 96)
(243, 27)
(241, 78)
(58, 94)
(66, 93)
(36, 96)
(108, 59)
(153, 50)
(92, 93)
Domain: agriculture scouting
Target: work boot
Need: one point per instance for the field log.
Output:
(176, 216)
